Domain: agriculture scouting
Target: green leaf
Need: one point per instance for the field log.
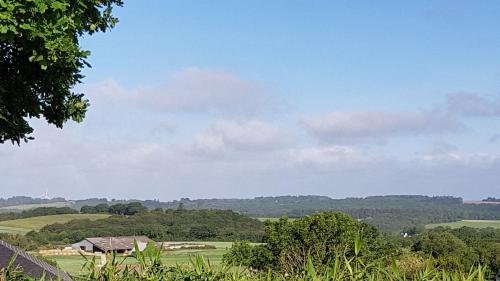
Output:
(58, 6)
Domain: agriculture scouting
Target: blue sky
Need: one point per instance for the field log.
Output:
(248, 98)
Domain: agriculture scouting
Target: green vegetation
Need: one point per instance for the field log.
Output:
(467, 223)
(218, 244)
(74, 264)
(151, 266)
(41, 60)
(393, 214)
(13, 230)
(273, 219)
(24, 200)
(491, 199)
(388, 213)
(168, 225)
(18, 240)
(37, 212)
(319, 239)
(460, 248)
(34, 206)
(128, 209)
(36, 223)
(323, 246)
(34, 219)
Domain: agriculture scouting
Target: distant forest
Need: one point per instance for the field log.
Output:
(25, 200)
(395, 213)
(160, 225)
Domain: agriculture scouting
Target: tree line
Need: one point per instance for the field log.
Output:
(37, 212)
(389, 213)
(158, 224)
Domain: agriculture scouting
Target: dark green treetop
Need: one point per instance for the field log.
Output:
(41, 60)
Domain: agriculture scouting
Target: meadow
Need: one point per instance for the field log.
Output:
(23, 226)
(272, 219)
(13, 230)
(74, 264)
(33, 206)
(468, 223)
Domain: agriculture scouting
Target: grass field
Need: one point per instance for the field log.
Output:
(73, 264)
(32, 206)
(469, 223)
(13, 230)
(23, 226)
(273, 219)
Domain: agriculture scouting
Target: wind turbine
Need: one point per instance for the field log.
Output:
(45, 195)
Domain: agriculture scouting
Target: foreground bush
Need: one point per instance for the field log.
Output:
(320, 238)
(151, 268)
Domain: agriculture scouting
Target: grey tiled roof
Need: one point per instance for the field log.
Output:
(29, 264)
(124, 243)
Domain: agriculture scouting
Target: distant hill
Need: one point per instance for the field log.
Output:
(23, 207)
(24, 200)
(390, 213)
(468, 223)
(23, 226)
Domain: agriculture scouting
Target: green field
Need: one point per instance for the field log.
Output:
(22, 226)
(73, 264)
(273, 219)
(32, 206)
(469, 223)
(13, 230)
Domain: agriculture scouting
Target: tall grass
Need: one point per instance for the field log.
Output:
(149, 267)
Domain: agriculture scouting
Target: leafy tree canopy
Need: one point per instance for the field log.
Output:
(41, 60)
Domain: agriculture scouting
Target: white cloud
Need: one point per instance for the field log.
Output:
(329, 157)
(444, 154)
(349, 125)
(128, 147)
(442, 148)
(74, 164)
(192, 90)
(473, 105)
(249, 136)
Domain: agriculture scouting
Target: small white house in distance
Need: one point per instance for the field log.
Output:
(121, 244)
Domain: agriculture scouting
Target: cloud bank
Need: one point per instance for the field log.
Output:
(358, 125)
(473, 105)
(193, 90)
(207, 133)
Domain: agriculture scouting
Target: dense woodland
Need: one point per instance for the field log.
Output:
(24, 200)
(36, 212)
(160, 225)
(389, 213)
(491, 199)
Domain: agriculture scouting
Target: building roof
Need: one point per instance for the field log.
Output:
(29, 264)
(123, 243)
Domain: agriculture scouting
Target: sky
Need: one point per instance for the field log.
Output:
(237, 99)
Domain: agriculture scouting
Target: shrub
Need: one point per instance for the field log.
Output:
(320, 237)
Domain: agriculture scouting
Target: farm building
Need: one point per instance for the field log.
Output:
(122, 244)
(29, 264)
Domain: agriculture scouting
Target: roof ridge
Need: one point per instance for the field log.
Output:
(18, 252)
